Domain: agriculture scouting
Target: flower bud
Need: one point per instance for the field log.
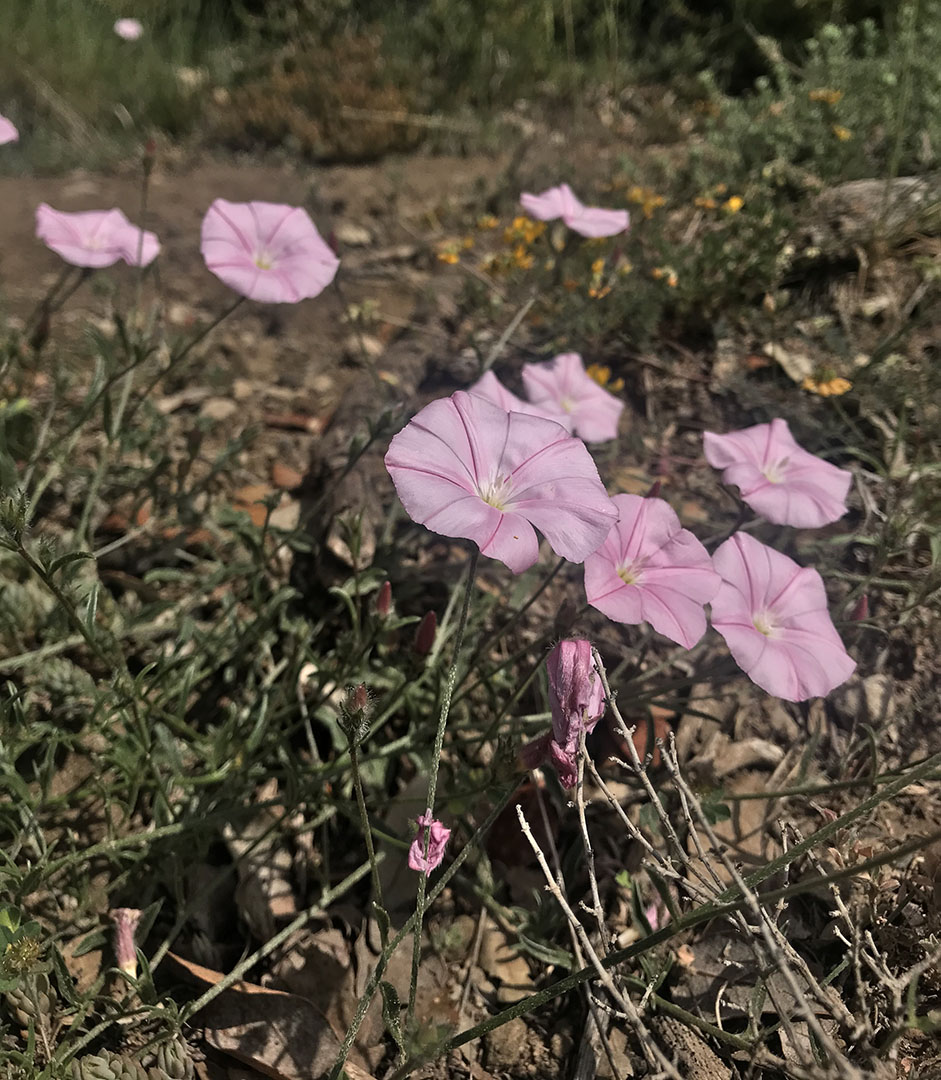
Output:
(654, 492)
(860, 610)
(354, 712)
(425, 634)
(126, 921)
(384, 600)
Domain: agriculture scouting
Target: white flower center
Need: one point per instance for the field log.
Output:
(764, 624)
(629, 574)
(776, 471)
(567, 404)
(264, 261)
(496, 492)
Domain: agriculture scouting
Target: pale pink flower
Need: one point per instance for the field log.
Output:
(561, 202)
(129, 29)
(438, 836)
(465, 467)
(563, 385)
(267, 251)
(8, 132)
(777, 478)
(489, 387)
(774, 618)
(651, 569)
(576, 698)
(94, 238)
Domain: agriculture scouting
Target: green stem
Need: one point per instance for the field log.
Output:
(433, 783)
(367, 833)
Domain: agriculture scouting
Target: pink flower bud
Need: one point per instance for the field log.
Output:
(437, 835)
(126, 921)
(654, 492)
(425, 634)
(384, 600)
(860, 610)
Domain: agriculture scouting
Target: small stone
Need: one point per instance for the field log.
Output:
(504, 1045)
(355, 345)
(353, 235)
(283, 476)
(218, 409)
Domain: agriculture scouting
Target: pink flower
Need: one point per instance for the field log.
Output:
(94, 238)
(651, 569)
(560, 202)
(773, 616)
(465, 467)
(267, 251)
(8, 132)
(129, 29)
(563, 385)
(777, 478)
(489, 387)
(437, 840)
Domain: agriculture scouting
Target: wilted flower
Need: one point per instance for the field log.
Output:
(464, 467)
(95, 238)
(651, 569)
(777, 478)
(437, 835)
(8, 132)
(126, 921)
(576, 698)
(563, 385)
(129, 29)
(561, 202)
(266, 251)
(774, 618)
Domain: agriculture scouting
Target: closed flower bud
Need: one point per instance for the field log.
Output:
(425, 634)
(126, 921)
(654, 492)
(384, 600)
(860, 610)
(355, 712)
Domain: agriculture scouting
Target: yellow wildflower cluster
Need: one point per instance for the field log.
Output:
(523, 230)
(487, 221)
(597, 288)
(665, 273)
(601, 373)
(827, 96)
(646, 198)
(827, 387)
(710, 201)
(449, 251)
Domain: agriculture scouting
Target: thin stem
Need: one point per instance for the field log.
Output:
(449, 685)
(367, 833)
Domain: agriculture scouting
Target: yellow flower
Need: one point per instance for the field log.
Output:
(597, 266)
(830, 97)
(449, 257)
(467, 243)
(599, 294)
(625, 266)
(842, 133)
(523, 229)
(733, 205)
(667, 273)
(672, 279)
(487, 221)
(720, 189)
(646, 198)
(657, 273)
(705, 203)
(521, 259)
(827, 387)
(601, 373)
